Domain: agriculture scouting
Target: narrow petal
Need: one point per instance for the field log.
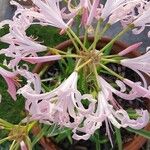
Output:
(42, 59)
(130, 49)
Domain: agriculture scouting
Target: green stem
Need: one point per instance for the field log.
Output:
(28, 142)
(5, 123)
(73, 41)
(129, 27)
(110, 56)
(111, 60)
(77, 39)
(99, 36)
(111, 71)
(43, 70)
(54, 50)
(78, 25)
(84, 64)
(5, 139)
(78, 63)
(16, 146)
(96, 77)
(31, 125)
(118, 138)
(12, 145)
(85, 37)
(71, 55)
(96, 37)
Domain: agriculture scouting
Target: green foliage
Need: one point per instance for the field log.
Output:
(59, 134)
(118, 138)
(10, 110)
(108, 50)
(132, 113)
(49, 36)
(98, 139)
(141, 132)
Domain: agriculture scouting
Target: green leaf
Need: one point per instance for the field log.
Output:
(118, 138)
(132, 113)
(45, 87)
(141, 132)
(108, 50)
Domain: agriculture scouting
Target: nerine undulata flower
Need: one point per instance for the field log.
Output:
(125, 10)
(108, 110)
(110, 6)
(119, 113)
(62, 105)
(142, 5)
(19, 20)
(137, 90)
(48, 13)
(89, 11)
(21, 46)
(138, 64)
(142, 21)
(92, 122)
(116, 114)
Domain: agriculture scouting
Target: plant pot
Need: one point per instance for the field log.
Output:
(138, 141)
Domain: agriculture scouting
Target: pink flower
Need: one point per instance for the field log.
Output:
(121, 93)
(22, 42)
(93, 12)
(138, 64)
(92, 122)
(34, 60)
(84, 6)
(108, 110)
(130, 49)
(110, 6)
(48, 13)
(20, 46)
(90, 10)
(120, 113)
(137, 89)
(126, 12)
(142, 21)
(116, 114)
(19, 20)
(32, 78)
(10, 80)
(58, 105)
(137, 124)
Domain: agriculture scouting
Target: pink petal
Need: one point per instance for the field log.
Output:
(11, 87)
(23, 146)
(42, 59)
(130, 49)
(92, 12)
(139, 90)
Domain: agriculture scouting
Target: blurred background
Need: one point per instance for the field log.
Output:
(6, 12)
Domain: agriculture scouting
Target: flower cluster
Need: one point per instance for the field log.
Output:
(64, 104)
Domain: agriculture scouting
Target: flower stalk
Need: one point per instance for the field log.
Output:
(128, 28)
